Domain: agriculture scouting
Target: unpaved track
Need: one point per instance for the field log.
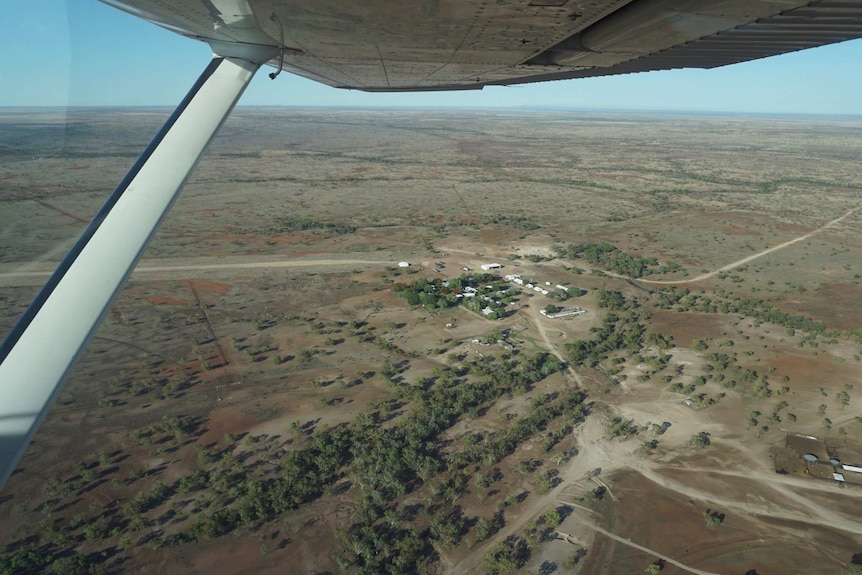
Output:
(237, 265)
(534, 317)
(257, 265)
(750, 258)
(667, 559)
(818, 514)
(595, 451)
(783, 484)
(43, 203)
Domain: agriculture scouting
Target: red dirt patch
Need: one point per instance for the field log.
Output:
(164, 300)
(687, 326)
(212, 287)
(740, 231)
(229, 419)
(834, 304)
(809, 371)
(795, 228)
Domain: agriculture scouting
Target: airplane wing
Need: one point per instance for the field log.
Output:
(462, 44)
(372, 45)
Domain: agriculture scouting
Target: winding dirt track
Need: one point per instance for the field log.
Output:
(665, 558)
(750, 258)
(812, 512)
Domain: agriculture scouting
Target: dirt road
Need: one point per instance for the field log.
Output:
(535, 318)
(750, 258)
(782, 484)
(656, 554)
(217, 264)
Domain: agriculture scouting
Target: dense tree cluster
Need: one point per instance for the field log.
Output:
(625, 428)
(377, 547)
(507, 556)
(622, 329)
(284, 224)
(684, 300)
(510, 221)
(609, 257)
(396, 459)
(437, 294)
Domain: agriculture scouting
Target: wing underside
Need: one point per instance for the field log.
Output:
(385, 45)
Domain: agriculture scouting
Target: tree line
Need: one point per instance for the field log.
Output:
(609, 257)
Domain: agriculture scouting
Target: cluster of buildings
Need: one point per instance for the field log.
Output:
(517, 279)
(825, 459)
(493, 304)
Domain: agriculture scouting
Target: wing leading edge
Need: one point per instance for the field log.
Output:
(457, 44)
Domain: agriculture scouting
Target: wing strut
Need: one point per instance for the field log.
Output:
(41, 350)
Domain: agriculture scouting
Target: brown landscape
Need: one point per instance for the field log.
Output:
(272, 392)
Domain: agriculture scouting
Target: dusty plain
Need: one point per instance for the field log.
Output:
(252, 403)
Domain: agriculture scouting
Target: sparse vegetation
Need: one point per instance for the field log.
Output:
(417, 446)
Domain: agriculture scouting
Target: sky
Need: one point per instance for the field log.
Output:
(84, 53)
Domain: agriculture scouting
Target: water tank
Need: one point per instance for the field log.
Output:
(810, 457)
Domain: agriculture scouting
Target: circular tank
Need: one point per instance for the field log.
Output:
(810, 457)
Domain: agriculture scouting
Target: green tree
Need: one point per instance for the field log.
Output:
(553, 518)
(699, 439)
(712, 518)
(125, 543)
(484, 529)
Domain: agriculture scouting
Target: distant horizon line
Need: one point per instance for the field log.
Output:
(548, 108)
